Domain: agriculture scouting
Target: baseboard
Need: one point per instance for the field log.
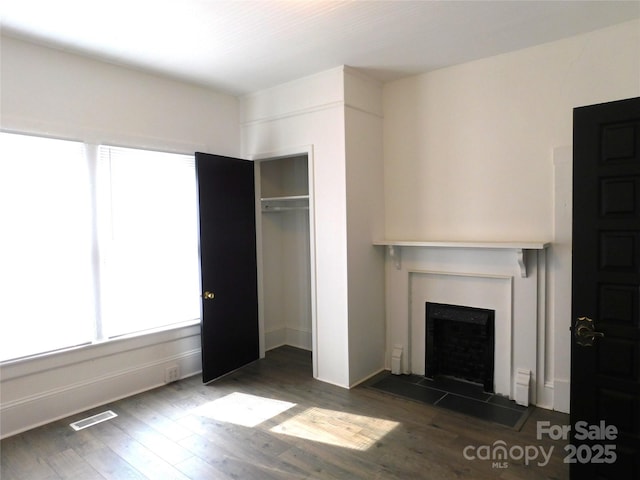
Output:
(288, 336)
(48, 406)
(275, 338)
(562, 395)
(368, 377)
(298, 338)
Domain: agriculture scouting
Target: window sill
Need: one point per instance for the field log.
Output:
(60, 358)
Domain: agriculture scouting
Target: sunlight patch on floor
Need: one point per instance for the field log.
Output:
(337, 428)
(243, 409)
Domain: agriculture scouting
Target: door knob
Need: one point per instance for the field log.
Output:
(585, 333)
(208, 295)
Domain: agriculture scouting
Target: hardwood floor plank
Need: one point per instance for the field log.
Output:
(71, 466)
(19, 462)
(135, 454)
(222, 458)
(196, 468)
(137, 406)
(170, 451)
(329, 462)
(111, 466)
(316, 466)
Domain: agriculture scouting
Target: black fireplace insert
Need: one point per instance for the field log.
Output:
(460, 343)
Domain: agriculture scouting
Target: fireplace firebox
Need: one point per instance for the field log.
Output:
(460, 343)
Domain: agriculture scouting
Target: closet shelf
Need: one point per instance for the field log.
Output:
(285, 203)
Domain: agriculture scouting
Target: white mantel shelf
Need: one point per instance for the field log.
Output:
(519, 247)
(443, 244)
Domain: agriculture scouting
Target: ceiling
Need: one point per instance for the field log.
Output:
(242, 46)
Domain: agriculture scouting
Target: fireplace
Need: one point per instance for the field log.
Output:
(460, 343)
(510, 282)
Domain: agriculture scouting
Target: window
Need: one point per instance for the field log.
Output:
(95, 243)
(46, 251)
(151, 268)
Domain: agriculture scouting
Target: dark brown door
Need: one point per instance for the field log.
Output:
(605, 349)
(228, 264)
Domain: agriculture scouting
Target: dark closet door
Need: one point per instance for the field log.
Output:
(229, 282)
(605, 350)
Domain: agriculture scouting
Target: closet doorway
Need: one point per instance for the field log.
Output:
(286, 251)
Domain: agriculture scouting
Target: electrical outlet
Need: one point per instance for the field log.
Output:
(171, 374)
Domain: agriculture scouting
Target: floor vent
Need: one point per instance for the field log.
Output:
(93, 420)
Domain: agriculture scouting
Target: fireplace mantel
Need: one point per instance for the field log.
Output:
(519, 247)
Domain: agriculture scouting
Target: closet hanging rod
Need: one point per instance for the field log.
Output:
(285, 198)
(267, 208)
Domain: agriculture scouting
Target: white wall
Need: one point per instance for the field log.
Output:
(365, 222)
(52, 92)
(469, 150)
(338, 114)
(49, 92)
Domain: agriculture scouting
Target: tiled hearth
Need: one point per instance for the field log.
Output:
(461, 397)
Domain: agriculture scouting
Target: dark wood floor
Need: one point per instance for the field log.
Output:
(187, 430)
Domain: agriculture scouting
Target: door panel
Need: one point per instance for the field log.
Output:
(226, 192)
(605, 350)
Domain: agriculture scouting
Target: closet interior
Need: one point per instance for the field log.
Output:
(286, 266)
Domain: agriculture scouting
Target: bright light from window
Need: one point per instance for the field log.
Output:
(243, 409)
(150, 277)
(46, 247)
(333, 427)
(93, 246)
